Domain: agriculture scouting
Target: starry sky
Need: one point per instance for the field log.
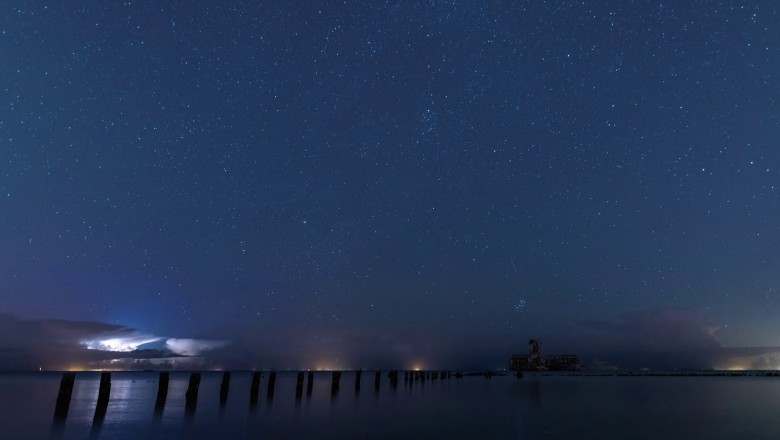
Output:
(349, 184)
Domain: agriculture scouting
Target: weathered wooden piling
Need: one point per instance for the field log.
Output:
(334, 386)
(104, 394)
(192, 394)
(393, 375)
(310, 384)
(422, 376)
(416, 375)
(271, 386)
(377, 380)
(434, 375)
(299, 387)
(63, 397)
(358, 373)
(255, 389)
(224, 389)
(162, 393)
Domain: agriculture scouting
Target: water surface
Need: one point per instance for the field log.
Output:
(536, 407)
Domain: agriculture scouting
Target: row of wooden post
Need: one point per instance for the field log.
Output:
(191, 397)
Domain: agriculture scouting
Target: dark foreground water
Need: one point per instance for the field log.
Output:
(536, 407)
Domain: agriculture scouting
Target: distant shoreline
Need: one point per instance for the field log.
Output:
(464, 373)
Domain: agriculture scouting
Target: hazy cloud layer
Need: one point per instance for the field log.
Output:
(192, 347)
(657, 339)
(62, 344)
(668, 339)
(660, 330)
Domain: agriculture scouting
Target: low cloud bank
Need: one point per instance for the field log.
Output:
(192, 347)
(662, 339)
(668, 339)
(58, 344)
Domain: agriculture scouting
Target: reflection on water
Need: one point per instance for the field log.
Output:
(535, 394)
(417, 407)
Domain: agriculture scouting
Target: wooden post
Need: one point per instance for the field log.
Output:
(103, 397)
(192, 394)
(377, 379)
(255, 389)
(334, 386)
(299, 387)
(162, 393)
(310, 384)
(63, 398)
(393, 375)
(357, 380)
(271, 385)
(224, 388)
(434, 375)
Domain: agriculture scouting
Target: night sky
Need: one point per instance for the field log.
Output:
(316, 184)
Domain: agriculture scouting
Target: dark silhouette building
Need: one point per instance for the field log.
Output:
(535, 361)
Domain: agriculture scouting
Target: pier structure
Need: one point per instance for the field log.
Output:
(191, 395)
(535, 361)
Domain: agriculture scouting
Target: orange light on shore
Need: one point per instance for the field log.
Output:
(735, 368)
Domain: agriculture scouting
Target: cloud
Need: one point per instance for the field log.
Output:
(192, 347)
(661, 329)
(671, 338)
(748, 358)
(659, 339)
(55, 344)
(120, 343)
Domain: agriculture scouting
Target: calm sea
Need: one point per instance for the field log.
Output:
(536, 407)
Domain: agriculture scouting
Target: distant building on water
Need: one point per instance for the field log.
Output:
(535, 361)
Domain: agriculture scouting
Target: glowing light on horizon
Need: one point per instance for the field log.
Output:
(123, 344)
(181, 347)
(735, 368)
